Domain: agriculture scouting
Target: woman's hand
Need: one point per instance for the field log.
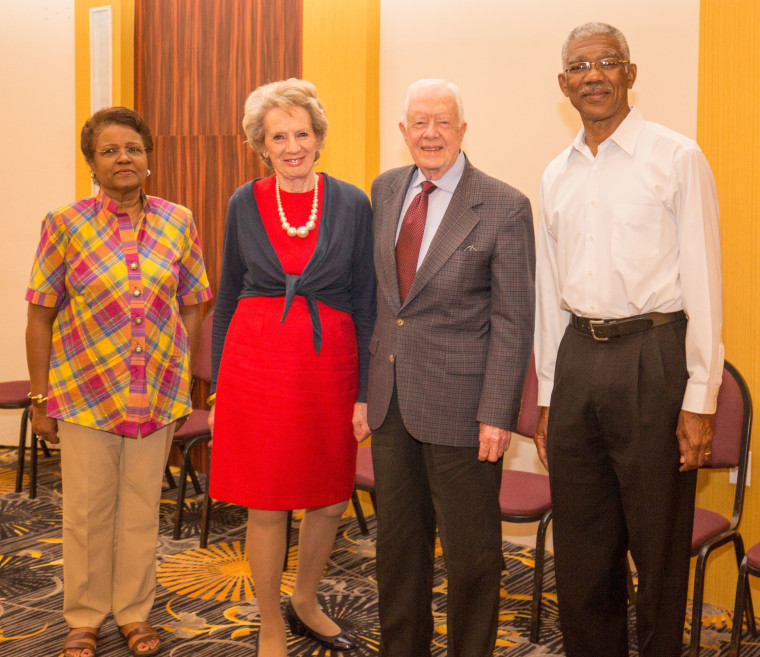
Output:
(211, 419)
(44, 427)
(361, 428)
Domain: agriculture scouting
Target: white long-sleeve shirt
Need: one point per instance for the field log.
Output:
(630, 231)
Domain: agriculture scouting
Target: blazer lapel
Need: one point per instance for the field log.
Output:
(457, 223)
(390, 212)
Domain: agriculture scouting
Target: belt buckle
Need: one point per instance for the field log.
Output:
(596, 322)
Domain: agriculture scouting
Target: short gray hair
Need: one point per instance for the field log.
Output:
(420, 86)
(591, 29)
(285, 94)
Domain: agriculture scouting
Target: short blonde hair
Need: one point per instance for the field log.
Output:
(285, 94)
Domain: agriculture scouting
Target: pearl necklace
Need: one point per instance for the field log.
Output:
(311, 224)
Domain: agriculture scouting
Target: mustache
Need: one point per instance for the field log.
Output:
(594, 87)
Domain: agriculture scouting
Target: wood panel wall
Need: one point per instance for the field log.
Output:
(196, 61)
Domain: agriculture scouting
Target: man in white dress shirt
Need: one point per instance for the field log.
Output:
(628, 351)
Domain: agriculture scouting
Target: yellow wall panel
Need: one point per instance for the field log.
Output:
(728, 130)
(341, 44)
(123, 68)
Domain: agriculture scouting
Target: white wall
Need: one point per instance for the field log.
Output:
(37, 134)
(505, 56)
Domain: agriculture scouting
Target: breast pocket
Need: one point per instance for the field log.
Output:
(637, 230)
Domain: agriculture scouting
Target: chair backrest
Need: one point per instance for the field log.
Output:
(529, 412)
(732, 424)
(202, 365)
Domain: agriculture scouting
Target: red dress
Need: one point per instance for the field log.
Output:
(283, 436)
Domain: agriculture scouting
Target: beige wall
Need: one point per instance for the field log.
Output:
(505, 56)
(38, 141)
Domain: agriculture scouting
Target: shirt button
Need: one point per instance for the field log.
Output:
(138, 349)
(391, 358)
(136, 293)
(133, 265)
(138, 320)
(400, 322)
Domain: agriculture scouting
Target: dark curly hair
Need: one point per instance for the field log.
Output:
(109, 116)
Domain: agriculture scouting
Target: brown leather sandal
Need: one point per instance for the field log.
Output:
(79, 639)
(140, 633)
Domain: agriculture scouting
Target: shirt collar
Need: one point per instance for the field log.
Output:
(109, 204)
(625, 136)
(449, 181)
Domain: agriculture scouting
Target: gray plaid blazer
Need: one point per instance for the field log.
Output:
(458, 348)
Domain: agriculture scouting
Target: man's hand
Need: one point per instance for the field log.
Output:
(493, 443)
(694, 433)
(361, 428)
(540, 436)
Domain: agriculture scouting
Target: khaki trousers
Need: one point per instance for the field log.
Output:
(111, 497)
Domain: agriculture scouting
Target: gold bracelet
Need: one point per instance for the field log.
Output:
(211, 399)
(37, 399)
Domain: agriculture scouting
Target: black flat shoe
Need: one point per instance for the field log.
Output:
(340, 642)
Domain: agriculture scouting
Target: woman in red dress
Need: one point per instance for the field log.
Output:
(292, 323)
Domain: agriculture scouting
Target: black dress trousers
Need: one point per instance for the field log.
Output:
(419, 486)
(613, 467)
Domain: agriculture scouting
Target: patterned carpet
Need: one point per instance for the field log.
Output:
(205, 605)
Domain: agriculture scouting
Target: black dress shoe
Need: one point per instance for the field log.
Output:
(340, 642)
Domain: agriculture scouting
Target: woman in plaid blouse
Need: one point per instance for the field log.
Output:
(113, 321)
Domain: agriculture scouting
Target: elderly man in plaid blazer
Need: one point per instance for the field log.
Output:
(454, 257)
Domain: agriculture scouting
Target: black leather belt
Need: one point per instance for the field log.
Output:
(604, 329)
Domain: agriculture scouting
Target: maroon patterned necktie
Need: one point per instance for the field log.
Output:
(410, 238)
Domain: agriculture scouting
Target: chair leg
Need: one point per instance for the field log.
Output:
(169, 478)
(359, 513)
(696, 605)
(287, 540)
(631, 587)
(538, 576)
(741, 591)
(205, 519)
(33, 468)
(373, 497)
(45, 449)
(748, 607)
(181, 488)
(21, 449)
(194, 478)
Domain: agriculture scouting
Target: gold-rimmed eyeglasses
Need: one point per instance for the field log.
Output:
(131, 151)
(606, 64)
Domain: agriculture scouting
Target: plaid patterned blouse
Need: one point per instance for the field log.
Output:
(119, 359)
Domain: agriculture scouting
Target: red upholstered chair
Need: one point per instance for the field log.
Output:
(195, 430)
(525, 497)
(13, 395)
(730, 449)
(750, 566)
